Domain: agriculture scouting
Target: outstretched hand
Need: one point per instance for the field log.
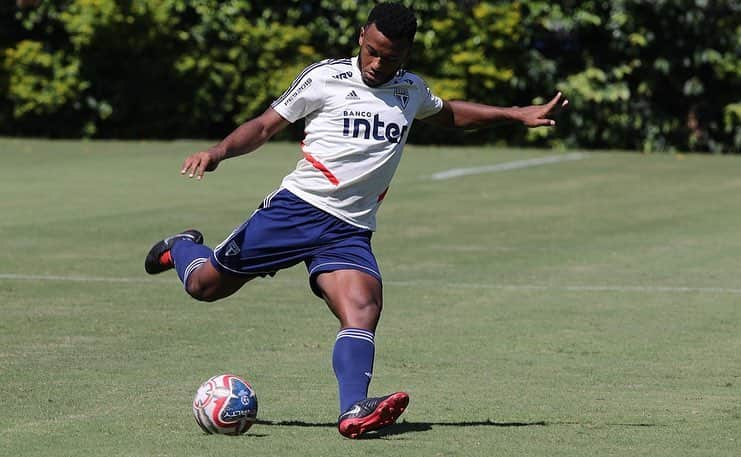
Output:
(540, 115)
(197, 164)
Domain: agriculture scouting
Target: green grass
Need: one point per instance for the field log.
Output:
(585, 308)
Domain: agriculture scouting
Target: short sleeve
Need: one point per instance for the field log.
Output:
(303, 97)
(431, 104)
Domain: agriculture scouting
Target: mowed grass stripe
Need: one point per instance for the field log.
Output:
(418, 283)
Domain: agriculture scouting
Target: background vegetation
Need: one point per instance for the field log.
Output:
(641, 75)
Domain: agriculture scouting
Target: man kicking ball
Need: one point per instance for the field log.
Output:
(358, 112)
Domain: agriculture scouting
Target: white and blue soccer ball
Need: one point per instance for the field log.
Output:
(226, 405)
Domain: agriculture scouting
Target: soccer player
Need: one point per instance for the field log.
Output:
(358, 112)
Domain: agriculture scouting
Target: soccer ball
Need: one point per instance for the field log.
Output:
(225, 404)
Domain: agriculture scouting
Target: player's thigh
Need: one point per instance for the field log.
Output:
(355, 297)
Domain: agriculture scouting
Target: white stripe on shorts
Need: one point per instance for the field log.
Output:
(374, 272)
(269, 198)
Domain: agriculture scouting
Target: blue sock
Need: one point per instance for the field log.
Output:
(187, 257)
(352, 360)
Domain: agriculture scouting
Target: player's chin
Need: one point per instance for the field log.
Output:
(373, 80)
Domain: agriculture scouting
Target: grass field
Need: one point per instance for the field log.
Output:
(581, 308)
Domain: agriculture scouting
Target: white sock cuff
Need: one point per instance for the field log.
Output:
(356, 333)
(194, 265)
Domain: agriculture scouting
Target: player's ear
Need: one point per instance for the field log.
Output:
(361, 37)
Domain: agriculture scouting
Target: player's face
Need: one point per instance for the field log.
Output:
(380, 58)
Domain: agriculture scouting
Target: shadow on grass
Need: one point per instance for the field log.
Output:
(412, 427)
(406, 427)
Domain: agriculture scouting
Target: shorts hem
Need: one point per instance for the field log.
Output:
(224, 269)
(329, 267)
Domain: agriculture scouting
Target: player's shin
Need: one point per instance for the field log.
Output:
(352, 360)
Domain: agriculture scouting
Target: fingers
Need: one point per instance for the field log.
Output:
(563, 105)
(553, 101)
(539, 122)
(189, 166)
(546, 123)
(195, 165)
(559, 107)
(553, 107)
(201, 169)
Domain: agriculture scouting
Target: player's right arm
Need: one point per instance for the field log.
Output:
(245, 138)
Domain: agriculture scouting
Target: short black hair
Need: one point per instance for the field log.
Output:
(394, 20)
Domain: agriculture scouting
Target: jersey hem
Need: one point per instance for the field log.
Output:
(308, 198)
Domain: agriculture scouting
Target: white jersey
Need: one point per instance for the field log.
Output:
(354, 135)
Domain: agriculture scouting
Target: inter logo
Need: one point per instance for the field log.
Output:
(363, 128)
(403, 95)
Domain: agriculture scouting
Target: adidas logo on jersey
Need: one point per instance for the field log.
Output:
(352, 96)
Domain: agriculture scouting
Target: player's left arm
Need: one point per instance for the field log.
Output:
(469, 115)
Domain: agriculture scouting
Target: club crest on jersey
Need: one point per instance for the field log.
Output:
(403, 95)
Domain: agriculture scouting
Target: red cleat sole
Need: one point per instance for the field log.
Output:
(385, 414)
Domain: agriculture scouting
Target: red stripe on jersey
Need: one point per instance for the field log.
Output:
(320, 166)
(382, 196)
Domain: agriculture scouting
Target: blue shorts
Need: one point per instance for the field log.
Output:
(286, 230)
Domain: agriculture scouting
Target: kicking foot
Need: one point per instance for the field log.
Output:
(372, 414)
(159, 260)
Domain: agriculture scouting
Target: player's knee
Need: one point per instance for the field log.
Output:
(362, 311)
(369, 311)
(371, 307)
(364, 300)
(371, 315)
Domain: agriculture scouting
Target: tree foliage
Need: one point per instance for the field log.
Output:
(640, 75)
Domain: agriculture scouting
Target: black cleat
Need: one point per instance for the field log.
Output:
(372, 414)
(155, 263)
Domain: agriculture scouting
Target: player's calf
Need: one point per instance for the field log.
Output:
(208, 284)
